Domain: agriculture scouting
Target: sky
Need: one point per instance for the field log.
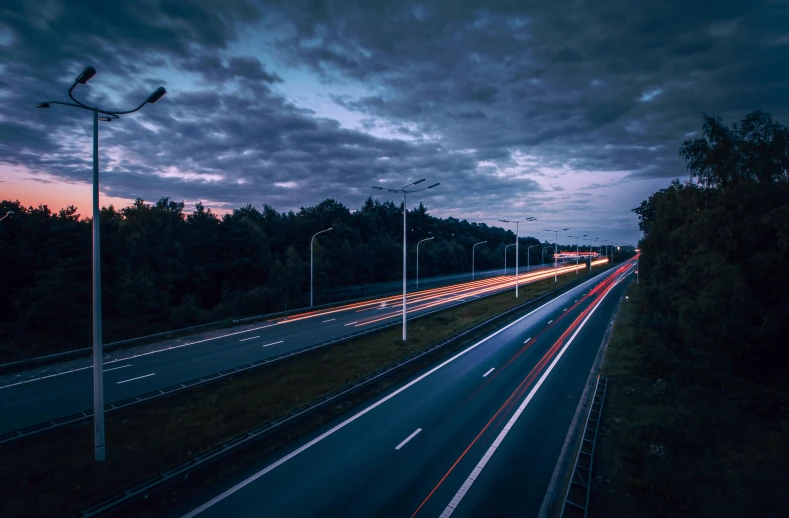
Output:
(571, 112)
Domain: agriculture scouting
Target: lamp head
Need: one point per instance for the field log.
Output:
(42, 105)
(378, 188)
(156, 95)
(418, 181)
(86, 75)
(434, 185)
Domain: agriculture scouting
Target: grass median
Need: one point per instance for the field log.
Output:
(680, 438)
(53, 474)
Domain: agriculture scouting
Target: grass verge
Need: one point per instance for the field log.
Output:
(54, 473)
(680, 438)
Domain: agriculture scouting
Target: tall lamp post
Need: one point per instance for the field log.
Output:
(555, 252)
(577, 238)
(505, 257)
(311, 242)
(517, 239)
(543, 253)
(417, 259)
(528, 256)
(405, 211)
(9, 213)
(473, 248)
(98, 367)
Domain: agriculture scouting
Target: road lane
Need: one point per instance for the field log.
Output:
(350, 468)
(26, 401)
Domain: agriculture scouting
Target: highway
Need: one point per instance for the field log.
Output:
(477, 435)
(49, 393)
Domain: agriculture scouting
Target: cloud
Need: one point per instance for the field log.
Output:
(504, 103)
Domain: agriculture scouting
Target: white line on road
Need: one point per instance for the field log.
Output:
(351, 323)
(137, 378)
(486, 374)
(450, 508)
(274, 343)
(527, 340)
(565, 309)
(576, 300)
(408, 439)
(550, 321)
(250, 338)
(47, 376)
(116, 368)
(313, 442)
(330, 320)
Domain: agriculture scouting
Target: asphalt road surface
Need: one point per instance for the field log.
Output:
(49, 393)
(477, 435)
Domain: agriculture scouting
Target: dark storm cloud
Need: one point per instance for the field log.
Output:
(551, 77)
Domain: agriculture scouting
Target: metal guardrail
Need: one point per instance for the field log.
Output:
(247, 437)
(87, 414)
(576, 500)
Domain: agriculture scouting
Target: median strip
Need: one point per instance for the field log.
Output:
(147, 439)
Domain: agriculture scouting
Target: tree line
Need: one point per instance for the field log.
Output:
(165, 267)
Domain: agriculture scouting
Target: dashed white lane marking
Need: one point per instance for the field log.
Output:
(486, 374)
(330, 320)
(351, 323)
(450, 508)
(116, 368)
(565, 309)
(137, 378)
(250, 338)
(274, 343)
(408, 439)
(550, 321)
(527, 340)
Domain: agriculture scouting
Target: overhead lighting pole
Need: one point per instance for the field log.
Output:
(98, 367)
(472, 257)
(405, 211)
(311, 241)
(417, 259)
(9, 213)
(528, 256)
(556, 251)
(577, 239)
(505, 257)
(517, 239)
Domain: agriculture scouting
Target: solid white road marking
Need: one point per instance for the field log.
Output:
(45, 377)
(274, 343)
(486, 374)
(250, 338)
(485, 458)
(137, 378)
(330, 320)
(356, 416)
(408, 439)
(116, 368)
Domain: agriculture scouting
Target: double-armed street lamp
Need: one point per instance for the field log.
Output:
(505, 257)
(9, 213)
(405, 211)
(417, 259)
(99, 114)
(577, 238)
(472, 257)
(556, 251)
(311, 241)
(517, 239)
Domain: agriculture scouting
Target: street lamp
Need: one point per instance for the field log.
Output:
(556, 250)
(473, 248)
(405, 211)
(9, 213)
(543, 253)
(528, 257)
(517, 239)
(505, 257)
(417, 259)
(98, 368)
(576, 251)
(311, 241)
